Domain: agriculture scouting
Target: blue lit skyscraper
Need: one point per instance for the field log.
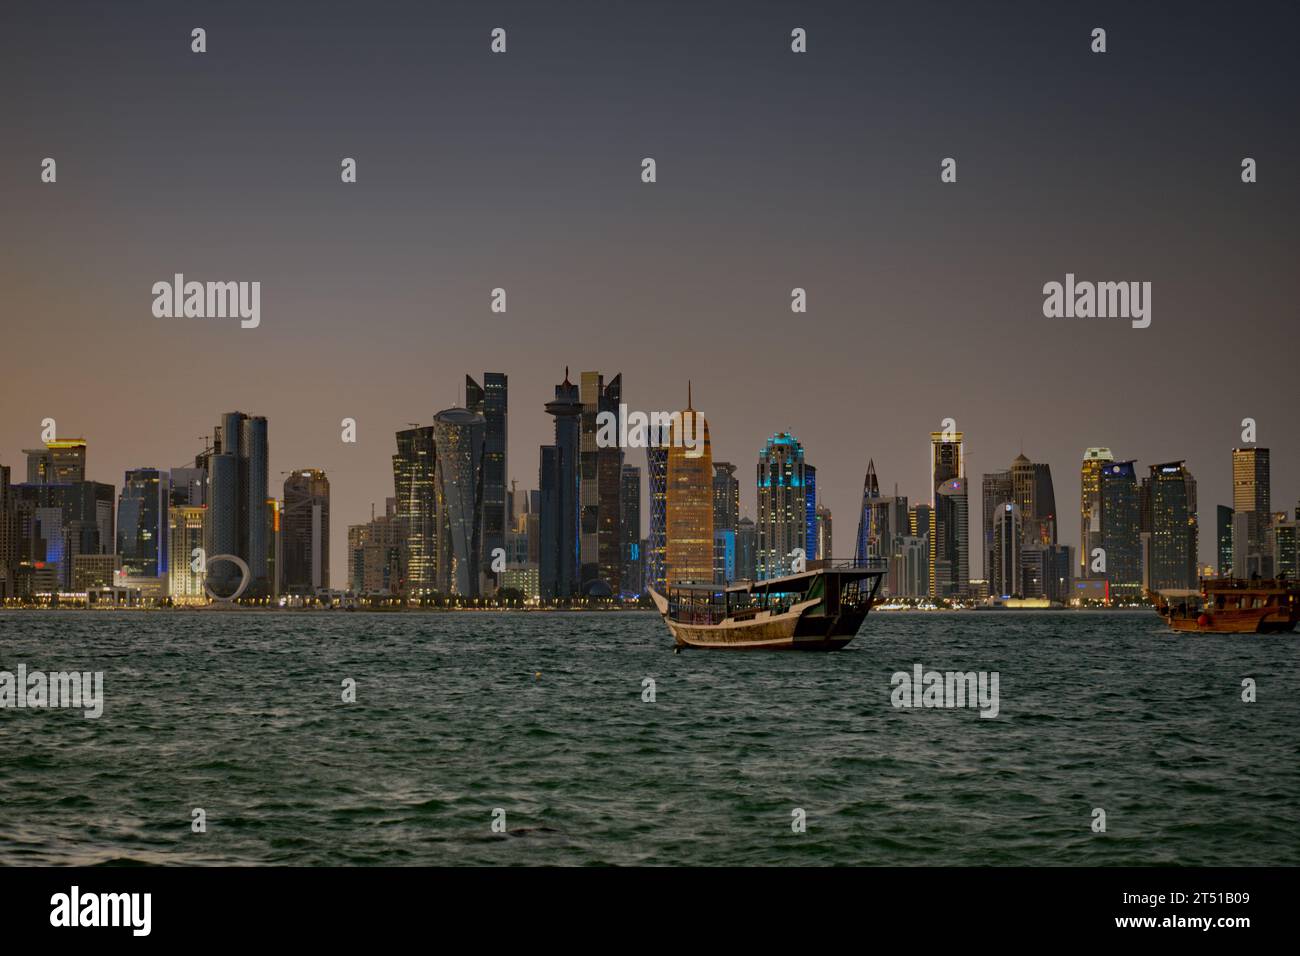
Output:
(782, 525)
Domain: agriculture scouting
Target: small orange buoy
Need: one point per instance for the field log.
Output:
(1203, 621)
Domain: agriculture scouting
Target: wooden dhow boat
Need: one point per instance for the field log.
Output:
(1232, 606)
(819, 609)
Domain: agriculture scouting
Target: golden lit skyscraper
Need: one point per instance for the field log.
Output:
(689, 505)
(1251, 499)
(1090, 504)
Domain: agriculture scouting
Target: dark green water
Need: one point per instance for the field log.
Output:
(241, 714)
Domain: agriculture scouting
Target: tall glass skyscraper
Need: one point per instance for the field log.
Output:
(558, 477)
(782, 524)
(600, 475)
(239, 467)
(656, 543)
(1169, 499)
(1094, 460)
(305, 532)
(459, 435)
(417, 515)
(1121, 530)
(142, 523)
(947, 548)
(491, 401)
(1251, 501)
(689, 508)
(630, 531)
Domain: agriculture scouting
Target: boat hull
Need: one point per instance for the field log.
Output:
(1244, 621)
(794, 630)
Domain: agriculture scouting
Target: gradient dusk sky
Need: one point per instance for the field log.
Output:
(775, 170)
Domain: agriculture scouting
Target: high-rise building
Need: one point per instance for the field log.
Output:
(868, 543)
(376, 551)
(491, 400)
(946, 579)
(810, 510)
(1121, 530)
(1251, 497)
(142, 523)
(186, 535)
(746, 550)
(782, 524)
(1008, 536)
(1223, 540)
(239, 468)
(459, 434)
(558, 479)
(1285, 534)
(61, 461)
(189, 486)
(415, 489)
(1094, 460)
(726, 497)
(630, 531)
(1169, 523)
(56, 521)
(656, 554)
(996, 491)
(600, 474)
(955, 529)
(8, 544)
(688, 510)
(823, 534)
(305, 533)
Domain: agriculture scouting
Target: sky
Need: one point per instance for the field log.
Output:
(775, 170)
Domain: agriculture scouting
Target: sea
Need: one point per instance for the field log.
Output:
(467, 738)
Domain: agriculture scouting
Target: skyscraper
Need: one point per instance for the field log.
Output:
(810, 510)
(185, 536)
(1251, 498)
(1170, 523)
(824, 534)
(746, 550)
(61, 461)
(1094, 460)
(996, 491)
(142, 522)
(416, 492)
(946, 579)
(1223, 540)
(630, 531)
(656, 556)
(782, 523)
(1008, 535)
(491, 400)
(1121, 528)
(726, 497)
(867, 543)
(689, 506)
(558, 481)
(239, 467)
(459, 436)
(600, 475)
(8, 544)
(305, 532)
(954, 504)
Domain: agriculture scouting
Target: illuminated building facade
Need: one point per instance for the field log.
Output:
(458, 434)
(689, 505)
(305, 533)
(782, 523)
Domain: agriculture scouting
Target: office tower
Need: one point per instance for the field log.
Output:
(810, 510)
(955, 530)
(94, 572)
(823, 534)
(782, 508)
(867, 544)
(946, 579)
(1121, 524)
(416, 492)
(142, 523)
(630, 531)
(746, 550)
(274, 512)
(558, 478)
(458, 435)
(376, 552)
(656, 554)
(996, 491)
(914, 563)
(239, 469)
(1008, 535)
(186, 534)
(600, 469)
(726, 521)
(61, 462)
(8, 544)
(189, 486)
(1223, 540)
(1170, 524)
(1094, 460)
(56, 522)
(1251, 498)
(726, 497)
(1285, 539)
(688, 510)
(305, 533)
(491, 401)
(1032, 491)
